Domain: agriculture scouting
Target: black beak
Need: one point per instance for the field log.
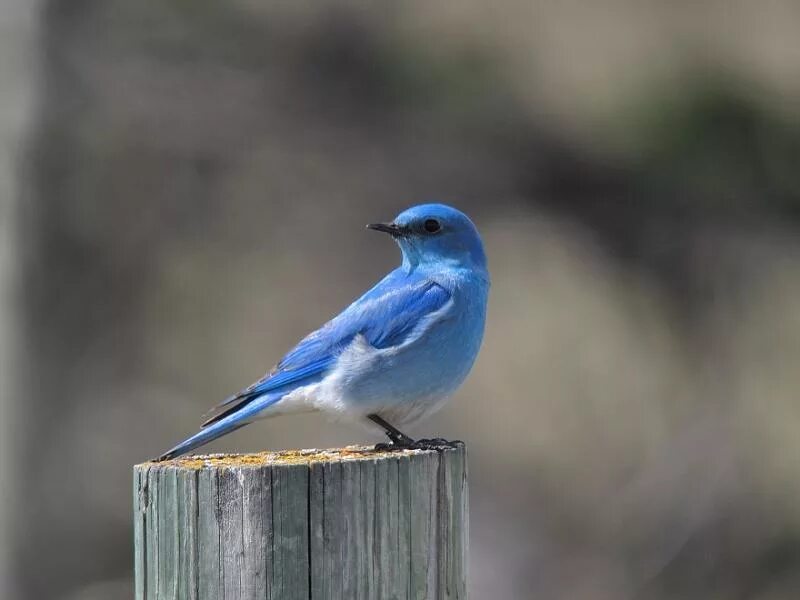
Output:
(391, 228)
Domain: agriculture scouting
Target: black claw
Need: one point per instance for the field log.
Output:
(434, 444)
(384, 447)
(423, 444)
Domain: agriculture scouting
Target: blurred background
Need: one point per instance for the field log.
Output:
(183, 192)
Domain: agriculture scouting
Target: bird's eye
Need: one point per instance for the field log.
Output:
(431, 225)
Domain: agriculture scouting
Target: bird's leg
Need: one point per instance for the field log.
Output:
(399, 439)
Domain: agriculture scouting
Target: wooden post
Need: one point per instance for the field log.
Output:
(352, 523)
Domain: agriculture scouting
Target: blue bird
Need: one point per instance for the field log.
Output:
(394, 355)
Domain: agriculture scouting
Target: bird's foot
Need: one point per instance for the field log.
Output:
(423, 444)
(399, 442)
(435, 444)
(384, 447)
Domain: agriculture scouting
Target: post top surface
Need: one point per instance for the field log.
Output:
(290, 457)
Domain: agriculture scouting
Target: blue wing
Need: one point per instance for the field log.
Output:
(385, 316)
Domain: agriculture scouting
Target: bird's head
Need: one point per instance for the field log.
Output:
(436, 234)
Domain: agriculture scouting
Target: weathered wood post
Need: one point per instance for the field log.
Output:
(352, 523)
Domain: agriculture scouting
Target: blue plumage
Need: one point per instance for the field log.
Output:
(396, 352)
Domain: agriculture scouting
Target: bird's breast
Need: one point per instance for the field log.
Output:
(414, 375)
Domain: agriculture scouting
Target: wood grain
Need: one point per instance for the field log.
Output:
(333, 524)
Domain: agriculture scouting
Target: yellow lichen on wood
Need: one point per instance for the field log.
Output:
(284, 457)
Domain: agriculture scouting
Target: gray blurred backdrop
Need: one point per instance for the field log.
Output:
(183, 191)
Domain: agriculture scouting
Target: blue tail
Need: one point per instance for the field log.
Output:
(230, 423)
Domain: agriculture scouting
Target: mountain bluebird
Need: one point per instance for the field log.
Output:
(394, 355)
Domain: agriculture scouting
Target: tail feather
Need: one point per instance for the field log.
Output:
(217, 429)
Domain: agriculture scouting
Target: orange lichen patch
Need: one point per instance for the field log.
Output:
(285, 457)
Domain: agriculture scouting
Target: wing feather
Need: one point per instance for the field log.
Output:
(385, 316)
